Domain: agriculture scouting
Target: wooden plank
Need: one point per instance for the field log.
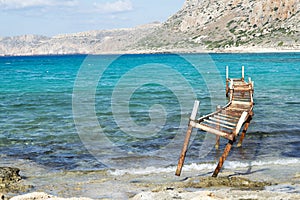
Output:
(240, 123)
(195, 110)
(228, 116)
(236, 108)
(214, 131)
(222, 121)
(225, 118)
(219, 124)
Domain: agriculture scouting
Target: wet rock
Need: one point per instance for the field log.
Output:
(235, 182)
(9, 180)
(9, 175)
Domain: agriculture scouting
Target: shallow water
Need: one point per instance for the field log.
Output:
(131, 111)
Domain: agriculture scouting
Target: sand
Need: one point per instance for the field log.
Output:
(268, 181)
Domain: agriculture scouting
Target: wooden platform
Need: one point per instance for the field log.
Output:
(227, 121)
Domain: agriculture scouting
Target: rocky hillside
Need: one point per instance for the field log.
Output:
(230, 24)
(90, 42)
(217, 25)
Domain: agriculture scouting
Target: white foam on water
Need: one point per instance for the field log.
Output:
(202, 166)
(157, 170)
(244, 164)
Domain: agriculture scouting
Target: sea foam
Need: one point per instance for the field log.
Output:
(203, 166)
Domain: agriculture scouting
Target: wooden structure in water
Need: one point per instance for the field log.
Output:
(230, 121)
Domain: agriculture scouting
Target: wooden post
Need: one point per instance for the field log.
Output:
(227, 80)
(223, 158)
(244, 132)
(227, 72)
(243, 72)
(231, 90)
(231, 84)
(187, 139)
(218, 127)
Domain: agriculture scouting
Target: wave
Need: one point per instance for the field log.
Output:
(203, 166)
(244, 164)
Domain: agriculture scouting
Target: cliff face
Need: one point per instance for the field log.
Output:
(229, 24)
(219, 25)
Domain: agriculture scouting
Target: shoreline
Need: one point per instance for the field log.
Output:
(175, 51)
(266, 181)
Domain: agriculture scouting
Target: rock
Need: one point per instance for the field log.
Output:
(33, 196)
(9, 180)
(9, 175)
(44, 196)
(234, 182)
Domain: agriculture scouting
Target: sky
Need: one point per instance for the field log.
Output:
(53, 17)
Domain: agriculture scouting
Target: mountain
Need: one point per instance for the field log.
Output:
(222, 25)
(201, 25)
(90, 42)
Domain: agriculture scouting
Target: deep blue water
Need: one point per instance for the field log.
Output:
(41, 96)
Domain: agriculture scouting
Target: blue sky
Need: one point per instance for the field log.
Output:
(52, 17)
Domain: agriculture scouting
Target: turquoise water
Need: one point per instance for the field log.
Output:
(141, 104)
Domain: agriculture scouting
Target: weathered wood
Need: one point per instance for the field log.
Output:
(227, 72)
(228, 116)
(240, 123)
(187, 139)
(225, 118)
(224, 134)
(226, 121)
(217, 144)
(219, 124)
(195, 110)
(243, 72)
(184, 150)
(222, 121)
(223, 158)
(227, 81)
(244, 132)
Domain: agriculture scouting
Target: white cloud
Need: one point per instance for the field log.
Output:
(21, 4)
(114, 7)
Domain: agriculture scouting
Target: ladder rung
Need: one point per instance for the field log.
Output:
(222, 121)
(209, 129)
(232, 113)
(219, 124)
(226, 118)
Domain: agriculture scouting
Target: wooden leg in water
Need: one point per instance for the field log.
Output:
(223, 158)
(184, 150)
(243, 133)
(217, 142)
(187, 139)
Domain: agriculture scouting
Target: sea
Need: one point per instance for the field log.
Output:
(129, 113)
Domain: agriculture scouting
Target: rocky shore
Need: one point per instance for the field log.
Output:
(258, 183)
